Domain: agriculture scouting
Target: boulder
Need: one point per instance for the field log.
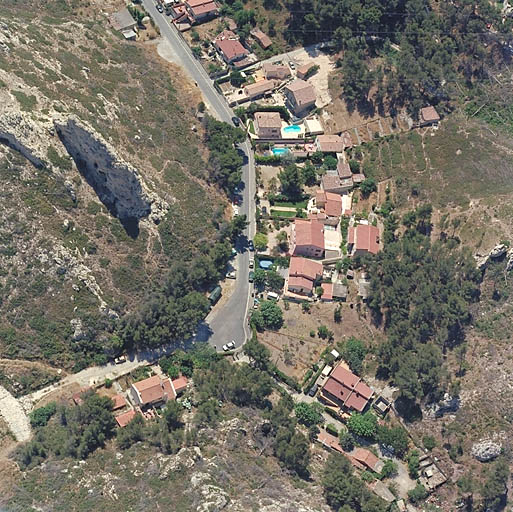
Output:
(486, 450)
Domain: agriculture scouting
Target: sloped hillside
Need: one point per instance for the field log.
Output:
(102, 172)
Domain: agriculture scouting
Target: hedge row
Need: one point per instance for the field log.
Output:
(313, 379)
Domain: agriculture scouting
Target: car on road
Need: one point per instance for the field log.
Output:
(236, 121)
(251, 263)
(160, 8)
(251, 246)
(235, 210)
(251, 276)
(292, 65)
(120, 360)
(313, 390)
(229, 346)
(232, 275)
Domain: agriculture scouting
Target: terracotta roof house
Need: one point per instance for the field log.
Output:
(346, 390)
(259, 89)
(363, 239)
(119, 402)
(329, 203)
(327, 292)
(300, 96)
(307, 239)
(262, 39)
(201, 10)
(330, 143)
(180, 384)
(275, 71)
(122, 20)
(268, 125)
(303, 274)
(331, 182)
(329, 441)
(303, 70)
(344, 170)
(153, 391)
(428, 116)
(368, 459)
(229, 47)
(124, 419)
(358, 178)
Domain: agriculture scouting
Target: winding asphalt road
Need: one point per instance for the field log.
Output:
(230, 321)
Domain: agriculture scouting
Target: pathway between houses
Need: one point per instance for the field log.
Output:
(14, 415)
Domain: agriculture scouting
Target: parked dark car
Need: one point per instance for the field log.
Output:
(313, 390)
(236, 121)
(251, 246)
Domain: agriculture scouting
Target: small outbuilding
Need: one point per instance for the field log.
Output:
(428, 116)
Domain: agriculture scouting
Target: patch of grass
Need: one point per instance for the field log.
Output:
(280, 213)
(289, 204)
(27, 103)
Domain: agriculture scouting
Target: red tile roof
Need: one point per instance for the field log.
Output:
(300, 282)
(366, 238)
(309, 232)
(154, 389)
(350, 235)
(327, 291)
(429, 114)
(204, 9)
(124, 419)
(180, 384)
(330, 143)
(302, 91)
(231, 48)
(119, 402)
(329, 441)
(303, 267)
(263, 39)
(348, 389)
(343, 169)
(226, 34)
(367, 458)
(333, 206)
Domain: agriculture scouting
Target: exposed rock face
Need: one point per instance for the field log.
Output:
(449, 404)
(116, 183)
(486, 450)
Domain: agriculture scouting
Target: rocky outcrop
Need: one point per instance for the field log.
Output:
(116, 183)
(497, 252)
(448, 405)
(486, 450)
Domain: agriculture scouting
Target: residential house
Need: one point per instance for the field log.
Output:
(268, 125)
(330, 143)
(358, 178)
(300, 96)
(331, 182)
(362, 239)
(330, 205)
(201, 10)
(344, 169)
(180, 384)
(262, 39)
(119, 402)
(302, 71)
(231, 24)
(368, 459)
(277, 71)
(428, 116)
(259, 89)
(346, 390)
(329, 441)
(327, 292)
(303, 274)
(229, 47)
(124, 419)
(124, 23)
(307, 238)
(151, 392)
(348, 141)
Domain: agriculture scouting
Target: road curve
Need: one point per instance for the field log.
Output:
(229, 322)
(14, 415)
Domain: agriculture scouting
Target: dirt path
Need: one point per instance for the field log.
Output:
(14, 415)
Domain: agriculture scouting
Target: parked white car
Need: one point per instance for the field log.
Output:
(232, 275)
(229, 346)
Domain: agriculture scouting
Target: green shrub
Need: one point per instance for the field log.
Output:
(40, 417)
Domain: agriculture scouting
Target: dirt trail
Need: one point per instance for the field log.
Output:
(14, 415)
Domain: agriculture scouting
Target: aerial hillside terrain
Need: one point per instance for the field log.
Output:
(102, 174)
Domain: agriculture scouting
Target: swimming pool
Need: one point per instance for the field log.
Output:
(280, 151)
(265, 264)
(292, 128)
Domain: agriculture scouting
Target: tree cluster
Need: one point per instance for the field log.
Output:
(421, 292)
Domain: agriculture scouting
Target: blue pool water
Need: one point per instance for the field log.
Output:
(265, 264)
(292, 128)
(280, 151)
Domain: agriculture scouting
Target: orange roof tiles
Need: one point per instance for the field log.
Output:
(327, 293)
(180, 384)
(119, 402)
(309, 232)
(231, 48)
(429, 114)
(154, 389)
(263, 39)
(304, 267)
(366, 238)
(330, 143)
(124, 419)
(367, 458)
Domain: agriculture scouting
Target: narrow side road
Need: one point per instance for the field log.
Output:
(230, 322)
